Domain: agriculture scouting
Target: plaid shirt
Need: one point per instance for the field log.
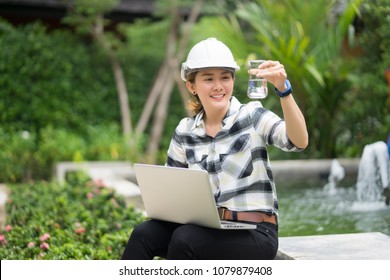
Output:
(237, 158)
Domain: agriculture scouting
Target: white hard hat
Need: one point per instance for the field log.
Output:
(207, 54)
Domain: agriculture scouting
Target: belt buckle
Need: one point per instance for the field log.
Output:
(222, 213)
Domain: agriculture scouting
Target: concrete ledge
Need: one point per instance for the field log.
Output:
(124, 187)
(308, 170)
(118, 175)
(121, 169)
(352, 246)
(311, 170)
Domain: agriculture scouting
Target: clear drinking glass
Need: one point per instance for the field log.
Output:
(257, 86)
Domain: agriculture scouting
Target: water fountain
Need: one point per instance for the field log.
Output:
(373, 180)
(337, 173)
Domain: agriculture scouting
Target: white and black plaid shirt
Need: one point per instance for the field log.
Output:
(237, 158)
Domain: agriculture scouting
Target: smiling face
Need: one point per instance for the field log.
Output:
(214, 87)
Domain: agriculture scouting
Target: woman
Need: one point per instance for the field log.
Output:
(229, 140)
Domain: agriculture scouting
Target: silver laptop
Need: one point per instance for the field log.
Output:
(180, 195)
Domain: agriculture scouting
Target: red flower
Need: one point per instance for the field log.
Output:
(99, 183)
(44, 237)
(44, 246)
(97, 191)
(30, 244)
(8, 228)
(3, 241)
(79, 230)
(89, 195)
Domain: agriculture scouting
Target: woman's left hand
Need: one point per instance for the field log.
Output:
(273, 72)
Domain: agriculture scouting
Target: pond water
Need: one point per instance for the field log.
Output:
(313, 210)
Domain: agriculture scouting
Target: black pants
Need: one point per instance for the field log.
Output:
(183, 242)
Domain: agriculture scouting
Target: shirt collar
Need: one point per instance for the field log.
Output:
(234, 107)
(198, 120)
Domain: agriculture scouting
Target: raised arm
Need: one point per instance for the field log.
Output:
(274, 72)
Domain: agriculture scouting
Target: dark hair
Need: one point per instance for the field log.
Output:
(194, 104)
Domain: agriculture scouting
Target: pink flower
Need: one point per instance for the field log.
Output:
(3, 241)
(44, 246)
(99, 183)
(80, 230)
(30, 244)
(44, 237)
(8, 228)
(89, 195)
(97, 191)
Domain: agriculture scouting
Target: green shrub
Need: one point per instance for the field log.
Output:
(367, 117)
(24, 157)
(78, 220)
(16, 155)
(52, 79)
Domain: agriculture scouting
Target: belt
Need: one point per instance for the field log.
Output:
(254, 217)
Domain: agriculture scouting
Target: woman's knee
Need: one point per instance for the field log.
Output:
(154, 230)
(139, 229)
(183, 234)
(143, 230)
(183, 243)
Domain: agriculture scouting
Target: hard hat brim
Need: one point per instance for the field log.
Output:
(186, 72)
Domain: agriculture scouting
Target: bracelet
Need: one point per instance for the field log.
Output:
(285, 93)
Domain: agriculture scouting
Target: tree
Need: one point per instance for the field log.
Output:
(88, 18)
(168, 74)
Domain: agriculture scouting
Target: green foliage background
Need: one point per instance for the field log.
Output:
(58, 100)
(366, 111)
(52, 79)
